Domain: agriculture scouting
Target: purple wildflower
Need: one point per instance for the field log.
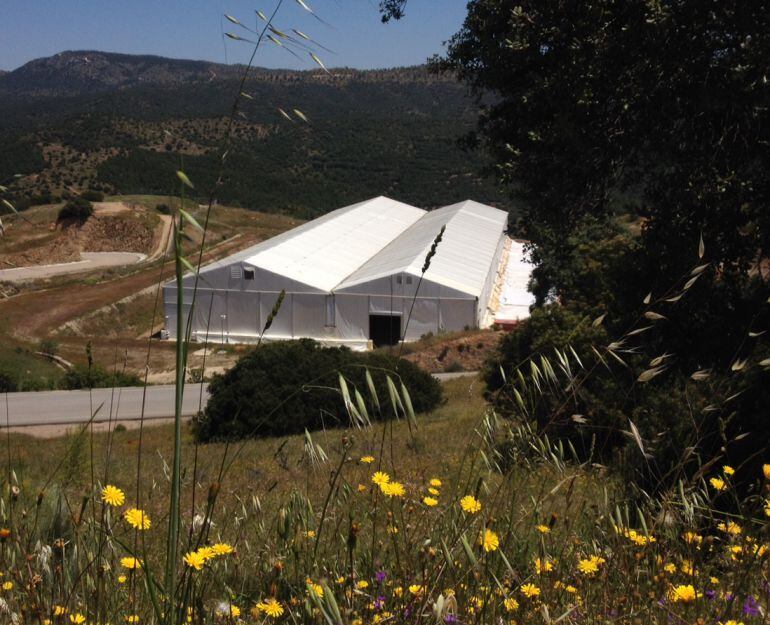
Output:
(750, 606)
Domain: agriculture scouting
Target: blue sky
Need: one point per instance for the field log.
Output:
(192, 29)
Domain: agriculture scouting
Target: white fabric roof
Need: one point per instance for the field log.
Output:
(463, 258)
(515, 298)
(323, 252)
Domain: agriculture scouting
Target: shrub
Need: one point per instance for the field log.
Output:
(81, 376)
(49, 347)
(287, 387)
(78, 210)
(682, 421)
(7, 383)
(92, 196)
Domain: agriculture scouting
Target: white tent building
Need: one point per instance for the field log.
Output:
(351, 276)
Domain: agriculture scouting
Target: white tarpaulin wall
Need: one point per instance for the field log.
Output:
(344, 269)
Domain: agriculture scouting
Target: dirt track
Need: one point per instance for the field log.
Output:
(31, 316)
(91, 261)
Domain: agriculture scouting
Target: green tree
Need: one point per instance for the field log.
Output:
(597, 104)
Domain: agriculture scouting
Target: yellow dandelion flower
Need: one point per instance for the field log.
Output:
(730, 528)
(717, 483)
(570, 589)
(366, 459)
(470, 504)
(113, 496)
(490, 541)
(670, 568)
(640, 539)
(392, 529)
(543, 529)
(588, 566)
(543, 566)
(766, 471)
(714, 580)
(122, 579)
(767, 508)
(687, 568)
(138, 519)
(194, 560)
(315, 589)
(510, 604)
(416, 589)
(530, 591)
(77, 618)
(59, 610)
(434, 491)
(691, 538)
(129, 562)
(222, 549)
(728, 470)
(731, 622)
(132, 618)
(271, 607)
(430, 501)
(684, 593)
(362, 584)
(393, 489)
(380, 478)
(362, 488)
(435, 482)
(310, 533)
(206, 552)
(8, 586)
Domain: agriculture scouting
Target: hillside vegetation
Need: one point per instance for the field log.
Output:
(123, 124)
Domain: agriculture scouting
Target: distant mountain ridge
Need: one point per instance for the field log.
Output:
(78, 72)
(303, 142)
(75, 71)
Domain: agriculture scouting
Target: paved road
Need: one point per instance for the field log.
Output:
(69, 407)
(122, 404)
(91, 261)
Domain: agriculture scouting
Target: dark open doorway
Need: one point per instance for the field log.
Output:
(384, 329)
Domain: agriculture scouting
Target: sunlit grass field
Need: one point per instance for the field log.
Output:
(391, 523)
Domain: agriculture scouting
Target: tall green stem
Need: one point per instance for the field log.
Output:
(174, 507)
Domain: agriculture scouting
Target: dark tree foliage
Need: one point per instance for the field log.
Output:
(392, 9)
(92, 195)
(78, 210)
(287, 387)
(7, 383)
(663, 103)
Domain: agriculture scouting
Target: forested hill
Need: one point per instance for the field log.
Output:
(123, 123)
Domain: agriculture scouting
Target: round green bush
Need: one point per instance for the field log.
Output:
(78, 210)
(291, 386)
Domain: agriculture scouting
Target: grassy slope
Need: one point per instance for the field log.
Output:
(267, 469)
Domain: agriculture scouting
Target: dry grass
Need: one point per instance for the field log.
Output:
(269, 469)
